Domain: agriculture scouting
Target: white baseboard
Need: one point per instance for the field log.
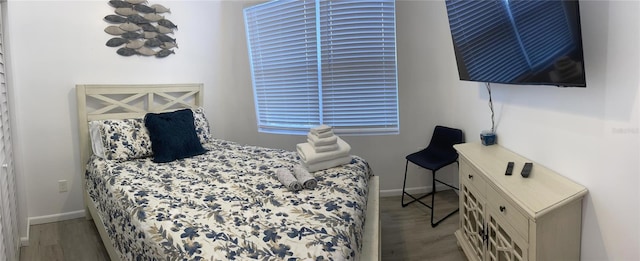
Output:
(55, 217)
(24, 241)
(417, 190)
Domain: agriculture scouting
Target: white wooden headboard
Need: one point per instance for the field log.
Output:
(97, 102)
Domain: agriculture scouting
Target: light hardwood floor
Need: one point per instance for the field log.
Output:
(75, 239)
(406, 235)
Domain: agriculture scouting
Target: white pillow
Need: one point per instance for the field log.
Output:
(96, 139)
(123, 140)
(202, 125)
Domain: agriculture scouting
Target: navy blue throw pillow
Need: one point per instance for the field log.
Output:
(173, 135)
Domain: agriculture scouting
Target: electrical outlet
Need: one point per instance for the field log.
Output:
(63, 186)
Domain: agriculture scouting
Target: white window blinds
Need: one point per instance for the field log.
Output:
(324, 62)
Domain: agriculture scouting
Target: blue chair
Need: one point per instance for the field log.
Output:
(438, 154)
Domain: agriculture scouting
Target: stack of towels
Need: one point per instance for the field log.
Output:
(323, 149)
(301, 178)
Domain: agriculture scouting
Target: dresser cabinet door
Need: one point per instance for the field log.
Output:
(472, 221)
(503, 243)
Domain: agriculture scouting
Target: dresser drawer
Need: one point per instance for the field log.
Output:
(470, 176)
(506, 211)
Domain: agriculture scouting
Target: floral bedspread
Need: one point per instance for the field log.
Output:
(227, 204)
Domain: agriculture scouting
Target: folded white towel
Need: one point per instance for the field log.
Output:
(315, 141)
(326, 148)
(288, 180)
(309, 156)
(327, 164)
(304, 177)
(320, 129)
(325, 134)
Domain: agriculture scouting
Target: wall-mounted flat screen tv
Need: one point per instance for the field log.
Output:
(527, 42)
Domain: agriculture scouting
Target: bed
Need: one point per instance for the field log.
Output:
(225, 204)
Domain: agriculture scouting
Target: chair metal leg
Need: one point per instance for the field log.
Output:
(434, 189)
(432, 194)
(404, 183)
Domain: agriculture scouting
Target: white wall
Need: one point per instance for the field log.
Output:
(54, 45)
(589, 135)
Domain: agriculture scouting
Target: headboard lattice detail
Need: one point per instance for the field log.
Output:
(116, 105)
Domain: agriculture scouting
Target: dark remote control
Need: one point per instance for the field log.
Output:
(526, 170)
(509, 168)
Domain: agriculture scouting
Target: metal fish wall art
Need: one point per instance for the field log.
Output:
(135, 44)
(153, 17)
(153, 42)
(144, 9)
(165, 39)
(137, 19)
(168, 45)
(114, 30)
(136, 2)
(120, 4)
(148, 28)
(124, 51)
(164, 53)
(125, 11)
(131, 35)
(149, 35)
(163, 30)
(130, 27)
(115, 19)
(116, 41)
(138, 28)
(160, 8)
(146, 51)
(168, 24)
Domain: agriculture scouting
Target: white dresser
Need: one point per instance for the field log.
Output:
(515, 218)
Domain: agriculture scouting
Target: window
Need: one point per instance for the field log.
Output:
(324, 62)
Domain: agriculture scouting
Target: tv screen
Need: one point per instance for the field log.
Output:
(518, 42)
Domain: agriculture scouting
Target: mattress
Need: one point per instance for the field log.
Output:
(227, 204)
